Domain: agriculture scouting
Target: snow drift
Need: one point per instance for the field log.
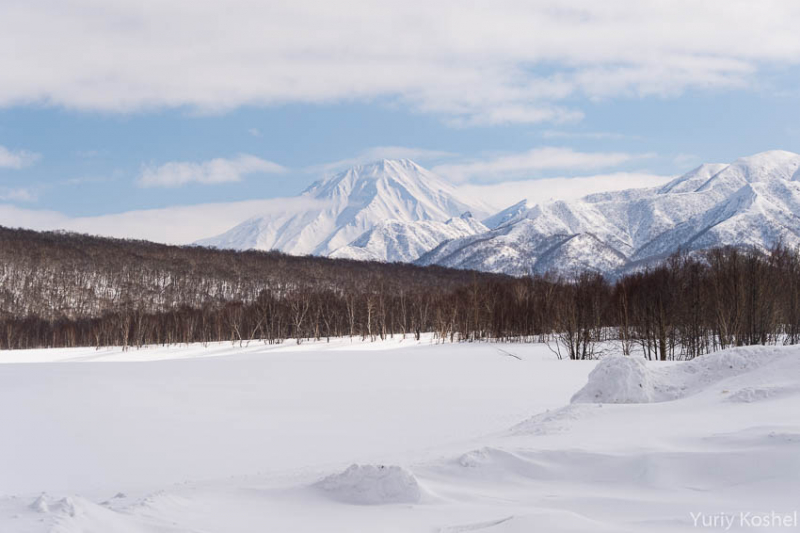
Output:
(621, 379)
(729, 443)
(372, 485)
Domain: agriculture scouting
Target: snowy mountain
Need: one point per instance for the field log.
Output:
(396, 240)
(391, 210)
(395, 210)
(754, 201)
(506, 215)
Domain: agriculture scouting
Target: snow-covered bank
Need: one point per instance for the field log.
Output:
(421, 437)
(86, 426)
(631, 380)
(212, 349)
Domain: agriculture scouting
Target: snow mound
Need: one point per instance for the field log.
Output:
(41, 504)
(758, 394)
(372, 485)
(552, 422)
(618, 379)
(45, 505)
(621, 379)
(495, 464)
(475, 458)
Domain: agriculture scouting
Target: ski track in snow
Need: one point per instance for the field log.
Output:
(400, 435)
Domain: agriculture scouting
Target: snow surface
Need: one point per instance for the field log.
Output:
(400, 435)
(620, 379)
(395, 240)
(372, 484)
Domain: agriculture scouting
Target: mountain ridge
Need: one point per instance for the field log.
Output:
(750, 202)
(395, 210)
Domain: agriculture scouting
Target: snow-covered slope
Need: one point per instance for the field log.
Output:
(507, 215)
(754, 201)
(398, 240)
(345, 206)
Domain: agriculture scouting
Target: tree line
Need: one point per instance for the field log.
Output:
(66, 290)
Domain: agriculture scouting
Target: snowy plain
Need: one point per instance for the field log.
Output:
(399, 435)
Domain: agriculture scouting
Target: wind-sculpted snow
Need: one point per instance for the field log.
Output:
(751, 202)
(235, 439)
(618, 380)
(372, 485)
(621, 379)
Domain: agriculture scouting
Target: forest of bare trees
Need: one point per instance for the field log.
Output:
(66, 290)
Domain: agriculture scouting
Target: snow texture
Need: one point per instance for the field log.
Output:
(372, 485)
(229, 439)
(621, 379)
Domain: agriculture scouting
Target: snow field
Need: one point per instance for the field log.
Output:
(395, 436)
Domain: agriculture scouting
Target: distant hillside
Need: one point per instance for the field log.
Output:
(61, 289)
(59, 274)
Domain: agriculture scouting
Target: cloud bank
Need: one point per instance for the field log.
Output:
(502, 195)
(219, 170)
(171, 225)
(525, 164)
(187, 224)
(507, 61)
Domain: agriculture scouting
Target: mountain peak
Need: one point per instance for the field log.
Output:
(507, 215)
(770, 155)
(386, 165)
(353, 201)
(774, 163)
(402, 169)
(762, 167)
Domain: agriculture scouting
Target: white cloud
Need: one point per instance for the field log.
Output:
(220, 170)
(510, 166)
(481, 63)
(17, 194)
(172, 225)
(187, 224)
(501, 195)
(17, 159)
(381, 152)
(255, 132)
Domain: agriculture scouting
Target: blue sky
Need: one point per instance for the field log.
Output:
(89, 162)
(110, 108)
